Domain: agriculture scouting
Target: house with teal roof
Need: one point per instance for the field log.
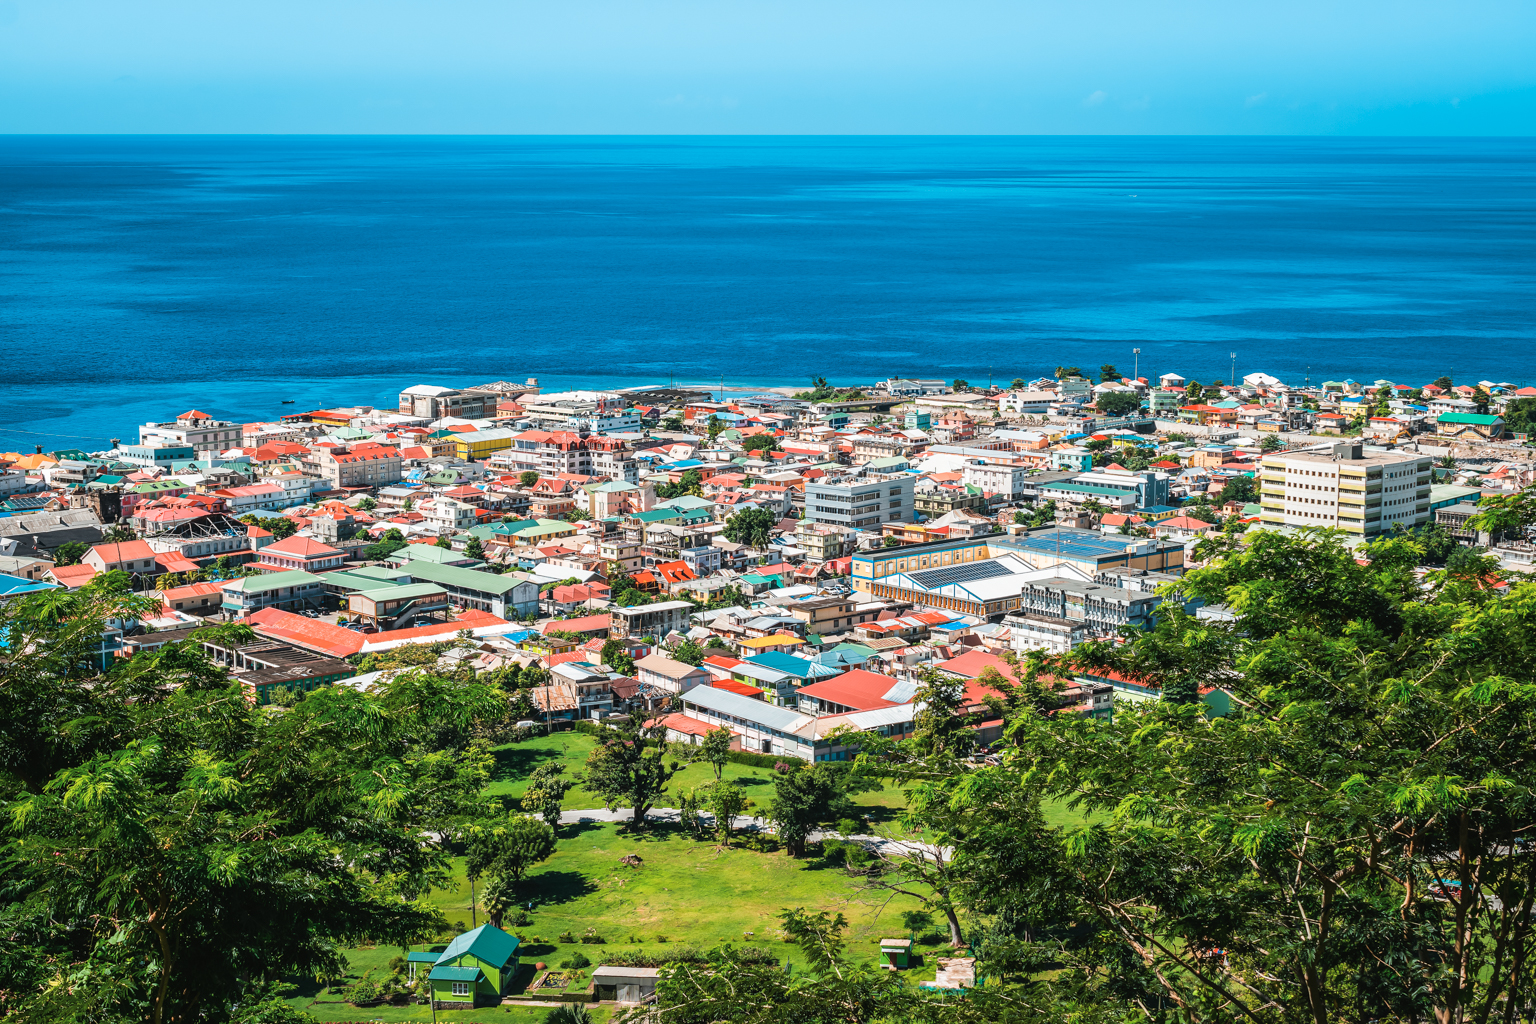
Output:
(475, 970)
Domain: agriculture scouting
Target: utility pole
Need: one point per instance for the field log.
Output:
(1233, 380)
(1136, 364)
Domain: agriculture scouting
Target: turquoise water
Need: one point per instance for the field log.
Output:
(141, 276)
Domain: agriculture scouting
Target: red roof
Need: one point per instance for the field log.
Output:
(438, 628)
(123, 551)
(194, 415)
(682, 723)
(314, 634)
(1184, 523)
(585, 624)
(857, 689)
(732, 686)
(300, 547)
(724, 661)
(972, 663)
(73, 576)
(170, 561)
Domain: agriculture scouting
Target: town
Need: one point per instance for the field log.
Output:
(751, 579)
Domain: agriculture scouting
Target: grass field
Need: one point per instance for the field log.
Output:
(688, 891)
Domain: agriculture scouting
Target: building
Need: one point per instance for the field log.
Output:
(291, 591)
(297, 552)
(478, 445)
(362, 468)
(1469, 426)
(652, 620)
(134, 557)
(476, 969)
(1005, 479)
(510, 595)
(1344, 486)
(195, 430)
(933, 569)
(432, 402)
(162, 454)
(265, 666)
(400, 606)
(860, 502)
(669, 675)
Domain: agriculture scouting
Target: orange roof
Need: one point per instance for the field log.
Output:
(194, 415)
(123, 551)
(682, 723)
(73, 576)
(436, 629)
(732, 686)
(857, 689)
(585, 624)
(171, 561)
(191, 590)
(313, 634)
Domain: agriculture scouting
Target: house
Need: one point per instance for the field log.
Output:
(133, 557)
(624, 985)
(1181, 528)
(297, 552)
(475, 970)
(1469, 426)
(669, 675)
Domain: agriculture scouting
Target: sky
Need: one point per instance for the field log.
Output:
(1374, 67)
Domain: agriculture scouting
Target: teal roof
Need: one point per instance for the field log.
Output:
(467, 579)
(1469, 417)
(420, 957)
(449, 973)
(272, 581)
(487, 943)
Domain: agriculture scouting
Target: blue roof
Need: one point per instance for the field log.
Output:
(781, 662)
(14, 586)
(487, 942)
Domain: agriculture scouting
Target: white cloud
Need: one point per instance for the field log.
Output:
(1256, 99)
(1095, 98)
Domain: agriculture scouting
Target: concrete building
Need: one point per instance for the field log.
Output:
(290, 591)
(993, 477)
(508, 595)
(193, 429)
(1344, 486)
(672, 676)
(374, 466)
(861, 502)
(653, 620)
(431, 402)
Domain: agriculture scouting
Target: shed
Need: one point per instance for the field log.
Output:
(624, 984)
(895, 954)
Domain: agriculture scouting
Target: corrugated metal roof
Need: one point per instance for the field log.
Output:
(724, 702)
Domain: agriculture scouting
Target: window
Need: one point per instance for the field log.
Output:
(461, 988)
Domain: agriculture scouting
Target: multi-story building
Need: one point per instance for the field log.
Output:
(431, 402)
(295, 590)
(581, 410)
(546, 453)
(1344, 486)
(654, 620)
(1005, 478)
(859, 501)
(475, 445)
(823, 542)
(364, 466)
(193, 429)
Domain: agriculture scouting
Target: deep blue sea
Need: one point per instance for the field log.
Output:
(141, 276)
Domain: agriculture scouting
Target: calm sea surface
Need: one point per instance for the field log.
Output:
(141, 276)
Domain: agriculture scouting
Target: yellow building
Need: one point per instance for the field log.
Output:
(477, 445)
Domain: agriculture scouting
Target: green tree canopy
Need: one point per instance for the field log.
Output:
(70, 553)
(527, 478)
(751, 526)
(630, 768)
(1118, 403)
(1108, 373)
(760, 442)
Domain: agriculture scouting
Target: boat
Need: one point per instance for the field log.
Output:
(288, 402)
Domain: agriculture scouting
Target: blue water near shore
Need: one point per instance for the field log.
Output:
(141, 276)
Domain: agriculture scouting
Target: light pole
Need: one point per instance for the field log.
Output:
(1136, 364)
(1233, 381)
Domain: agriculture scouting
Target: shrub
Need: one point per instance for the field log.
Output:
(577, 960)
(564, 937)
(593, 940)
(683, 955)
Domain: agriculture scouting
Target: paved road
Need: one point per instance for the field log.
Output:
(671, 815)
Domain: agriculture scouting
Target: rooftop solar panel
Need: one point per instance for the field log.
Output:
(964, 573)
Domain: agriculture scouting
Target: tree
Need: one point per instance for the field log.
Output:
(226, 845)
(1444, 383)
(1382, 405)
(546, 790)
(1213, 392)
(1067, 372)
(1239, 488)
(507, 851)
(689, 653)
(474, 549)
(806, 796)
(527, 478)
(1108, 373)
(1520, 416)
(444, 542)
(280, 527)
(1018, 384)
(716, 749)
(1481, 399)
(673, 423)
(629, 767)
(70, 553)
(1193, 393)
(726, 800)
(367, 504)
(760, 442)
(392, 540)
(1202, 510)
(961, 385)
(1505, 514)
(751, 526)
(1119, 403)
(714, 427)
(1045, 515)
(118, 533)
(617, 657)
(1270, 443)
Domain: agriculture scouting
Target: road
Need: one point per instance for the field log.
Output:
(671, 815)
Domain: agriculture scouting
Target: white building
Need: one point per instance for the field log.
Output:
(1347, 487)
(196, 429)
(1005, 478)
(1026, 403)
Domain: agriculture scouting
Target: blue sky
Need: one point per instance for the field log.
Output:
(769, 66)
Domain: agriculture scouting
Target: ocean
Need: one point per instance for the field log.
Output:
(142, 276)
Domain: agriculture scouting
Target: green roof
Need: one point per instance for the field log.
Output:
(426, 553)
(369, 577)
(404, 591)
(659, 515)
(487, 943)
(272, 581)
(450, 973)
(1469, 417)
(420, 957)
(467, 579)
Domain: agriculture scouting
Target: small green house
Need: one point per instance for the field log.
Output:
(474, 970)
